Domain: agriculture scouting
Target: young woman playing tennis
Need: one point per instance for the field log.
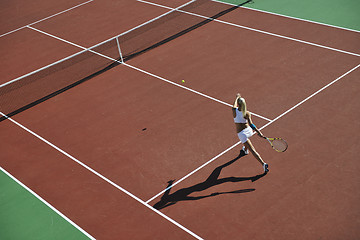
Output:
(244, 127)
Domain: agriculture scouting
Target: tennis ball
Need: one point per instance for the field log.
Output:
(183, 81)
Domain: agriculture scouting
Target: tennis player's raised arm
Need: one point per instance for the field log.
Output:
(236, 104)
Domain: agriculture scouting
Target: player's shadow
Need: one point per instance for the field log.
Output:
(184, 194)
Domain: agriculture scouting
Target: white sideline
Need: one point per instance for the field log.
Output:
(312, 95)
(194, 171)
(47, 204)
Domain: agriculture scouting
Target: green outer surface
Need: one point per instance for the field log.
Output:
(345, 13)
(23, 216)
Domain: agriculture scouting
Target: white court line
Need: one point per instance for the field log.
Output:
(286, 16)
(191, 173)
(312, 95)
(47, 204)
(46, 18)
(102, 177)
(58, 38)
(74, 44)
(257, 30)
(54, 63)
(277, 118)
(40, 69)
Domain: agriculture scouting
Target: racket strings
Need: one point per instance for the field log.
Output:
(280, 145)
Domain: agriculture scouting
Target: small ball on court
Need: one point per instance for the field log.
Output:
(183, 81)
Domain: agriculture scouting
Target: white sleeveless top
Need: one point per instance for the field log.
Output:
(239, 117)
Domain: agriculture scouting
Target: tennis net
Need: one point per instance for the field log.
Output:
(38, 86)
(31, 89)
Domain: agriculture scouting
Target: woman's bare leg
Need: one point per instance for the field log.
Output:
(249, 145)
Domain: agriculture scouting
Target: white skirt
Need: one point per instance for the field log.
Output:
(245, 134)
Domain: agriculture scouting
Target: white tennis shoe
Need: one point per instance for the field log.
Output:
(246, 152)
(266, 167)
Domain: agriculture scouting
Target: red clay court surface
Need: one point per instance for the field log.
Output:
(311, 191)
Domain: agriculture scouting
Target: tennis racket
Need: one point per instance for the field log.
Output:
(278, 144)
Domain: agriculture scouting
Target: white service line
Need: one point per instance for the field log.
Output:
(47, 204)
(74, 44)
(102, 177)
(59, 61)
(58, 38)
(46, 18)
(256, 30)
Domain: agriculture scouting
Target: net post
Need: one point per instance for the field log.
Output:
(118, 44)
